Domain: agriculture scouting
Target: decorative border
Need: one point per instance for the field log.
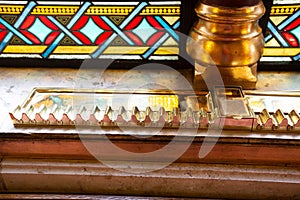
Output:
(131, 30)
(66, 42)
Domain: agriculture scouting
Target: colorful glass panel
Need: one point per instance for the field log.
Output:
(54, 29)
(282, 41)
(129, 30)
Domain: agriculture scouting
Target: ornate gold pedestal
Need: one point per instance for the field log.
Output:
(229, 38)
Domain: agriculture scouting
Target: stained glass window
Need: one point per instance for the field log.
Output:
(67, 30)
(134, 30)
(282, 41)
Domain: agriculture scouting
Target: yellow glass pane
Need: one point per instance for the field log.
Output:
(281, 51)
(75, 49)
(24, 49)
(167, 51)
(125, 50)
(168, 102)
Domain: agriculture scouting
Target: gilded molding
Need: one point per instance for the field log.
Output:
(10, 9)
(284, 10)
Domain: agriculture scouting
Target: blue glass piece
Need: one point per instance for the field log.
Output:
(18, 23)
(268, 38)
(296, 33)
(167, 27)
(136, 11)
(14, 31)
(70, 24)
(91, 30)
(297, 57)
(156, 45)
(144, 30)
(277, 35)
(40, 30)
(66, 31)
(176, 25)
(104, 46)
(117, 30)
(57, 100)
(289, 20)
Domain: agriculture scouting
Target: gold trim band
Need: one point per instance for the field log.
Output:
(281, 51)
(284, 10)
(11, 9)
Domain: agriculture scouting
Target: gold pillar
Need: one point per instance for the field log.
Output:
(229, 37)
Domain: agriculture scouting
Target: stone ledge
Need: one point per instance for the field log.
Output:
(227, 150)
(177, 180)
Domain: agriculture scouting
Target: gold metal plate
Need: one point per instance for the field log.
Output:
(62, 106)
(223, 108)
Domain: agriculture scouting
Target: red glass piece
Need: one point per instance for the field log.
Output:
(51, 37)
(2, 27)
(2, 34)
(134, 38)
(28, 22)
(293, 25)
(82, 37)
(134, 23)
(291, 39)
(80, 23)
(103, 37)
(31, 37)
(48, 23)
(154, 23)
(101, 23)
(154, 38)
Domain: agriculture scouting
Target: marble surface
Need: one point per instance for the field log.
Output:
(278, 81)
(238, 177)
(17, 83)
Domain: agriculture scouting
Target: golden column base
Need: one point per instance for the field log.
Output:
(244, 76)
(230, 38)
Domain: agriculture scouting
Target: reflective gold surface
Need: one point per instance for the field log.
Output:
(223, 108)
(229, 38)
